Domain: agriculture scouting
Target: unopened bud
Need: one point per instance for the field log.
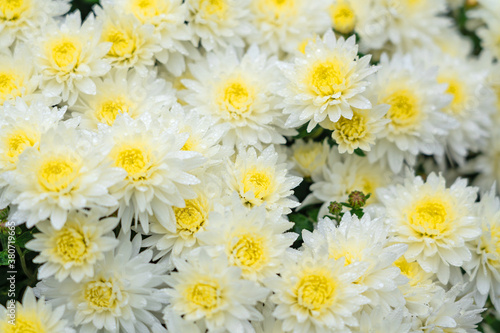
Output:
(357, 199)
(335, 208)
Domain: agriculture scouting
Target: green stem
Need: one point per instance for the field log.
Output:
(26, 271)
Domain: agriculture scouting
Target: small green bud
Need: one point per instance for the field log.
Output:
(335, 208)
(357, 199)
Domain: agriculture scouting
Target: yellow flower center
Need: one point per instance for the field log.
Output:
(315, 291)
(412, 271)
(71, 245)
(236, 97)
(303, 44)
(327, 78)
(147, 9)
(349, 256)
(248, 251)
(404, 111)
(135, 161)
(258, 181)
(213, 7)
(57, 174)
(66, 52)
(276, 9)
(191, 144)
(204, 295)
(343, 17)
(11, 10)
(10, 86)
(124, 44)
(457, 89)
(430, 217)
(25, 323)
(190, 218)
(17, 142)
(99, 294)
(108, 110)
(351, 130)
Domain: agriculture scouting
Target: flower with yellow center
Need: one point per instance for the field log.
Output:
(237, 92)
(157, 170)
(123, 287)
(363, 241)
(343, 16)
(75, 248)
(33, 316)
(311, 291)
(259, 180)
(60, 174)
(436, 222)
(309, 156)
(208, 292)
(70, 57)
(326, 82)
(252, 239)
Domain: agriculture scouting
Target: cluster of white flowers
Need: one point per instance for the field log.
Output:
(159, 148)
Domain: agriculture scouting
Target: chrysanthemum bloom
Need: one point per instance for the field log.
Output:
(326, 81)
(238, 91)
(309, 156)
(70, 57)
(123, 91)
(484, 267)
(218, 24)
(19, 20)
(21, 126)
(67, 171)
(379, 320)
(316, 293)
(189, 221)
(343, 174)
(252, 239)
(169, 21)
(260, 180)
(488, 12)
(212, 294)
(18, 77)
(280, 26)
(75, 248)
(366, 241)
(436, 222)
(133, 44)
(33, 316)
(122, 296)
(417, 121)
(157, 170)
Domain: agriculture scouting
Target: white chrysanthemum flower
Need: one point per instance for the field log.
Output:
(122, 296)
(75, 248)
(345, 14)
(484, 267)
(66, 171)
(489, 12)
(363, 240)
(205, 136)
(343, 174)
(189, 221)
(21, 126)
(218, 24)
(157, 171)
(450, 314)
(123, 91)
(252, 239)
(325, 82)
(309, 157)
(472, 105)
(361, 130)
(210, 293)
(436, 222)
(20, 19)
(33, 316)
(315, 293)
(404, 24)
(260, 180)
(382, 321)
(132, 44)
(70, 57)
(18, 77)
(282, 25)
(238, 91)
(416, 121)
(169, 21)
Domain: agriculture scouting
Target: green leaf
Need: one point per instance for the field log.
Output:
(313, 213)
(24, 238)
(359, 152)
(4, 258)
